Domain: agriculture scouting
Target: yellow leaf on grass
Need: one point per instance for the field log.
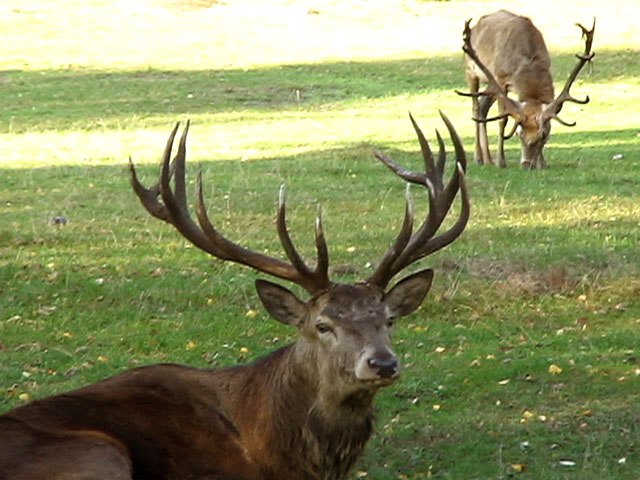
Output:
(519, 467)
(555, 369)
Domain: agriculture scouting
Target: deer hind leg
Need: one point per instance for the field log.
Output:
(68, 457)
(482, 139)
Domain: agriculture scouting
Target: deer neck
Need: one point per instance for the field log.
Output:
(328, 393)
(324, 427)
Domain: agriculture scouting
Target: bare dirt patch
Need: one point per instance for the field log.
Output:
(514, 277)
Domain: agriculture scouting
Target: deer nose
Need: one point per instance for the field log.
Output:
(386, 367)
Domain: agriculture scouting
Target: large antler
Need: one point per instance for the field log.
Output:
(511, 107)
(553, 109)
(410, 247)
(170, 205)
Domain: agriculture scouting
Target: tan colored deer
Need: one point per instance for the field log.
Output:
(304, 412)
(507, 52)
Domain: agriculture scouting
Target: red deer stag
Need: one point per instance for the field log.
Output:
(303, 412)
(508, 53)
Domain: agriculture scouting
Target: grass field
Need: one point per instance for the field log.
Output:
(524, 360)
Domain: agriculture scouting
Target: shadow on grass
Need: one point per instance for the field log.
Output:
(86, 99)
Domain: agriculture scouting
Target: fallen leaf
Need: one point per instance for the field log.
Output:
(555, 369)
(518, 467)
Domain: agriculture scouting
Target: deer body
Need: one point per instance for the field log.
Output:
(196, 431)
(303, 412)
(508, 53)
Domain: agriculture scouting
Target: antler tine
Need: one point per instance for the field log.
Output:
(461, 157)
(384, 272)
(321, 271)
(149, 196)
(458, 227)
(442, 156)
(511, 132)
(322, 264)
(502, 116)
(429, 165)
(407, 175)
(588, 35)
(554, 108)
(440, 202)
(173, 209)
(408, 247)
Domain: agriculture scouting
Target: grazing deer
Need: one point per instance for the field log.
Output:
(508, 53)
(303, 412)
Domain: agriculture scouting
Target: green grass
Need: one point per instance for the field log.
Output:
(546, 273)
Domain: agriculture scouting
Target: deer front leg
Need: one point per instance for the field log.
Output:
(502, 162)
(482, 140)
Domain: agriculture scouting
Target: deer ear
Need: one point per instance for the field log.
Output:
(281, 304)
(408, 294)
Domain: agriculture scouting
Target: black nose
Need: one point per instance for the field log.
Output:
(385, 367)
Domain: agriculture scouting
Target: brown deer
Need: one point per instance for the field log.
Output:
(508, 53)
(303, 412)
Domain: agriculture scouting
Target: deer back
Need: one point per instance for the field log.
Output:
(514, 50)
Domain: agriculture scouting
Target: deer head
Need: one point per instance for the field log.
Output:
(351, 323)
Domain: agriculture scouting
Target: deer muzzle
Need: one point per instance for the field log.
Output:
(378, 365)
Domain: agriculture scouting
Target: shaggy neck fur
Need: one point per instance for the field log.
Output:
(320, 427)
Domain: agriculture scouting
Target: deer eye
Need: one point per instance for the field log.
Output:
(323, 328)
(390, 323)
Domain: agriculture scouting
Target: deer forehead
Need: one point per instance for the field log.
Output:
(351, 303)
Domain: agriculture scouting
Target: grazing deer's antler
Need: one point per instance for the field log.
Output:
(173, 209)
(410, 247)
(553, 109)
